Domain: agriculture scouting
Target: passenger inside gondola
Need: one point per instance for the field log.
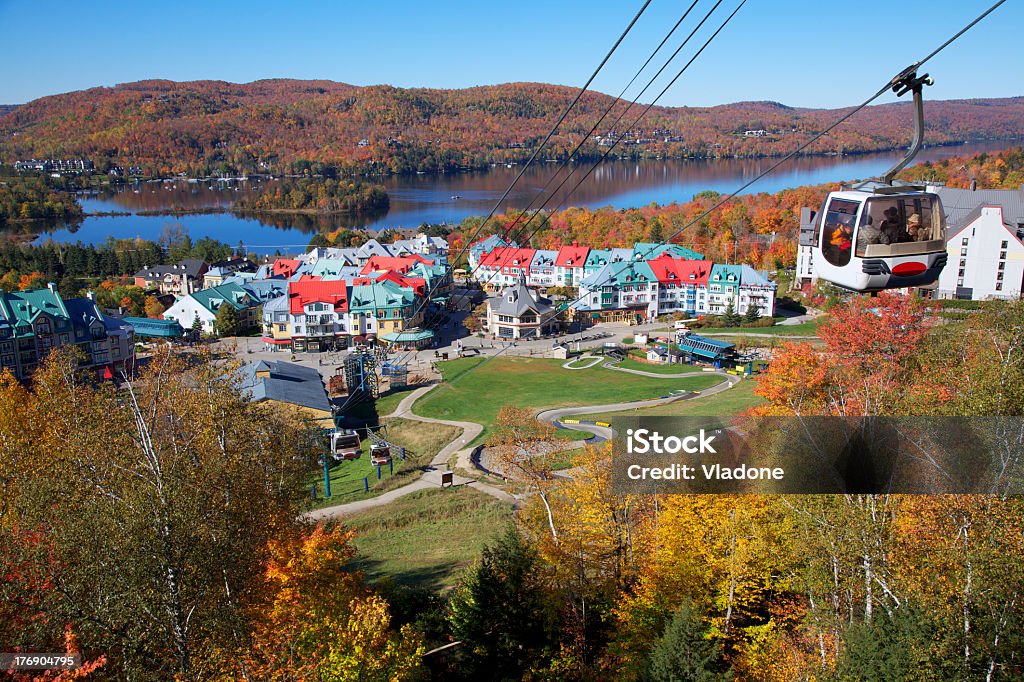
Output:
(892, 228)
(868, 234)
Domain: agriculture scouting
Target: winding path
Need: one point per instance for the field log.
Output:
(606, 433)
(431, 476)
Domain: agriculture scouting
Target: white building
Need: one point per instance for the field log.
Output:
(984, 236)
(804, 250)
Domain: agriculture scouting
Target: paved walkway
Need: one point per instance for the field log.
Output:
(431, 476)
(605, 432)
(571, 364)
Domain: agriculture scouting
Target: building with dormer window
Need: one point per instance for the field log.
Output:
(180, 279)
(570, 265)
(519, 313)
(205, 304)
(33, 323)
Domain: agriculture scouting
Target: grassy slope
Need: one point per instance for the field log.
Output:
(802, 329)
(423, 440)
(630, 363)
(733, 401)
(428, 537)
(536, 384)
(387, 403)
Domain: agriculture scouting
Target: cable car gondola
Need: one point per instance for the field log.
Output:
(380, 454)
(879, 235)
(345, 444)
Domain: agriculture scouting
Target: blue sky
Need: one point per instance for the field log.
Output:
(798, 52)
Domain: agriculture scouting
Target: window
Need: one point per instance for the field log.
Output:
(837, 231)
(960, 282)
(961, 272)
(963, 241)
(999, 277)
(963, 262)
(1003, 245)
(963, 252)
(282, 327)
(1002, 266)
(999, 286)
(1002, 255)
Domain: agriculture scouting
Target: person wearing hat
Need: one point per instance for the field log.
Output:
(917, 231)
(892, 227)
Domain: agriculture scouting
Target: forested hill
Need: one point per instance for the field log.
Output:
(282, 126)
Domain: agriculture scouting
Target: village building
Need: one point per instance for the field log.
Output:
(682, 284)
(286, 385)
(542, 268)
(619, 292)
(316, 312)
(984, 243)
(696, 348)
(216, 273)
(180, 279)
(570, 265)
(203, 305)
(478, 249)
(520, 313)
(504, 267)
(35, 322)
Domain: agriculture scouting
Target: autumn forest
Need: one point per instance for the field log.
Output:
(289, 126)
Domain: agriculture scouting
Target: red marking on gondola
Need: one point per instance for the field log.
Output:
(909, 269)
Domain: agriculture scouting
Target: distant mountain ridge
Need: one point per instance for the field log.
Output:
(285, 126)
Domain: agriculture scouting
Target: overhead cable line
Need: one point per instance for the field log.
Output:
(537, 151)
(885, 88)
(615, 101)
(637, 120)
(510, 238)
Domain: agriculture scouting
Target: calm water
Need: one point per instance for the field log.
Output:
(429, 198)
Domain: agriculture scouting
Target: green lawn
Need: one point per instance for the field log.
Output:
(730, 402)
(535, 384)
(387, 403)
(802, 329)
(426, 539)
(422, 442)
(630, 363)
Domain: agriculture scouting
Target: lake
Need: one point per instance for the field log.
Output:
(450, 198)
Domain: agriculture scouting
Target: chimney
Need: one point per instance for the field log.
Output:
(974, 185)
(91, 296)
(51, 286)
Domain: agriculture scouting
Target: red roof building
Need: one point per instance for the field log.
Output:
(333, 293)
(417, 284)
(506, 258)
(574, 256)
(670, 270)
(285, 267)
(400, 264)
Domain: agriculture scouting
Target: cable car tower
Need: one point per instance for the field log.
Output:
(360, 378)
(880, 235)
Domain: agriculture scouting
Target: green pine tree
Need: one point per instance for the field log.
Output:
(753, 313)
(731, 318)
(500, 611)
(684, 653)
(197, 325)
(227, 322)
